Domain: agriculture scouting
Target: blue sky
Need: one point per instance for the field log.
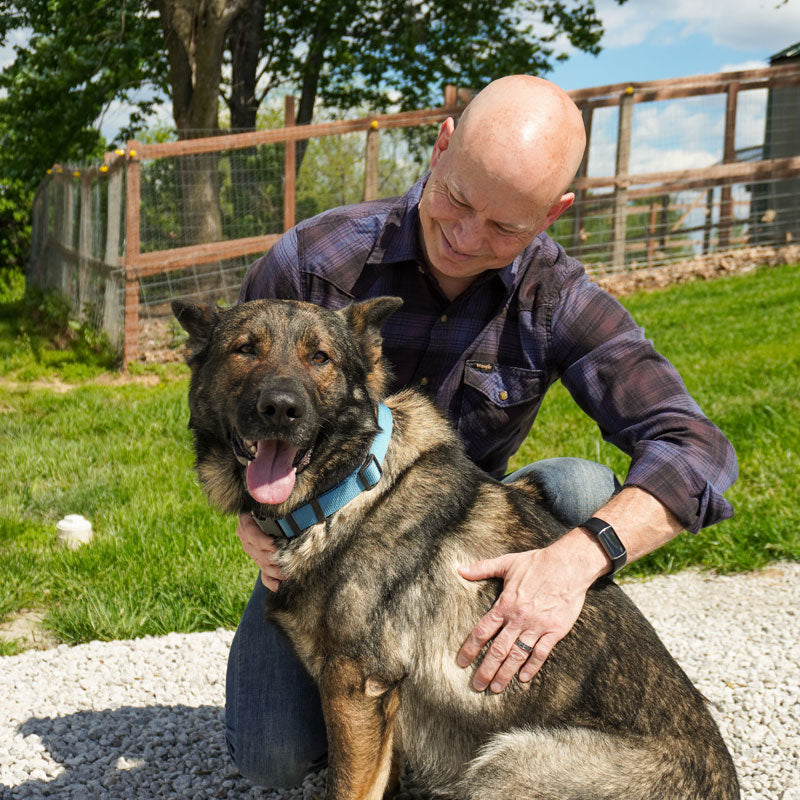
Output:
(656, 39)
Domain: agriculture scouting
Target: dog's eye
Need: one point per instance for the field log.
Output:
(246, 349)
(320, 357)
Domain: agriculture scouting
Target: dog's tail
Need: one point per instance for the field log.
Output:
(583, 764)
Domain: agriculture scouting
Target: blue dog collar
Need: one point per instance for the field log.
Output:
(364, 478)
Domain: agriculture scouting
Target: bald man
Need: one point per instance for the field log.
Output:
(494, 313)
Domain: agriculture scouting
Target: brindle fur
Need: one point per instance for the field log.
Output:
(377, 612)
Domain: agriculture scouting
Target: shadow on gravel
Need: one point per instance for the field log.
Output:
(153, 751)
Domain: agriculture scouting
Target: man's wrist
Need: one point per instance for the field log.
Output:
(586, 554)
(607, 538)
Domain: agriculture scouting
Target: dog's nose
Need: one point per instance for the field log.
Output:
(281, 407)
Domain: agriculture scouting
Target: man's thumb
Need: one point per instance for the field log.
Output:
(478, 570)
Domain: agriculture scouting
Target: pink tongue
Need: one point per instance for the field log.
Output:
(270, 478)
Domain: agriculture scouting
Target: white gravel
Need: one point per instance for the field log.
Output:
(144, 718)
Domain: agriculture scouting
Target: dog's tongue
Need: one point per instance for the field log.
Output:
(270, 478)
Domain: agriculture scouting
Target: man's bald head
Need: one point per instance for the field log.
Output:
(499, 179)
(524, 129)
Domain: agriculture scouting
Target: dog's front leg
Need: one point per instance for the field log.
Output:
(359, 716)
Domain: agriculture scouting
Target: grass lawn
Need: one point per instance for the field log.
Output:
(163, 560)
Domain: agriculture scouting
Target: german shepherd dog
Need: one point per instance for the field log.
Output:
(283, 400)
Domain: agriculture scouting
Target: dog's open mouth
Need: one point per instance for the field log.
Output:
(272, 467)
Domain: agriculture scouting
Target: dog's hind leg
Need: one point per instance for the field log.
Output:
(583, 764)
(359, 716)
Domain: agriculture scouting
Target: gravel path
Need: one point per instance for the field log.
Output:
(144, 718)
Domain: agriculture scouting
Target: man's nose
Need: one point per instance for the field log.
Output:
(468, 235)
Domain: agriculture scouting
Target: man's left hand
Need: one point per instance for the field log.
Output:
(541, 599)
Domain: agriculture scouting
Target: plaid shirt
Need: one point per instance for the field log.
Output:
(488, 357)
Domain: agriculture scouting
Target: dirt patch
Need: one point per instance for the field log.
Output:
(25, 628)
(699, 268)
(106, 379)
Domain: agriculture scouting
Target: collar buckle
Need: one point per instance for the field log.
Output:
(370, 472)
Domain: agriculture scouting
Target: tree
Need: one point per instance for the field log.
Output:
(195, 34)
(81, 57)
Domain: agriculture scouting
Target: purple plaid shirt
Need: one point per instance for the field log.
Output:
(488, 357)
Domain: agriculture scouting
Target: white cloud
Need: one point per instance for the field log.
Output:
(738, 24)
(744, 65)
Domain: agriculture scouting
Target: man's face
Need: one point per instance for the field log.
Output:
(471, 218)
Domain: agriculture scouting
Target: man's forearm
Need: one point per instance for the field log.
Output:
(642, 523)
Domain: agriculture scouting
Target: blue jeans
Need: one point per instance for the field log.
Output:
(273, 718)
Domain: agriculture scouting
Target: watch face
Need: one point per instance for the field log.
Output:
(611, 543)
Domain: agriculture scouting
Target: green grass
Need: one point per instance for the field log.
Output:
(163, 560)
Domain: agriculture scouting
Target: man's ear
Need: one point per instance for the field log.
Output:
(365, 320)
(198, 320)
(442, 140)
(557, 209)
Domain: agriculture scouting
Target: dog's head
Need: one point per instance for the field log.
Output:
(283, 397)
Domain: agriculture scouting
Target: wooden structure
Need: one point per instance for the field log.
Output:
(615, 191)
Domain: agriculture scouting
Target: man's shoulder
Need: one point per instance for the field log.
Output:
(548, 270)
(351, 224)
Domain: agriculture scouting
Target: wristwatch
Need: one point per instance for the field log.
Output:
(610, 542)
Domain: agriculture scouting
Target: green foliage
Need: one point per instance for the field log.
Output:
(15, 223)
(38, 339)
(382, 53)
(81, 56)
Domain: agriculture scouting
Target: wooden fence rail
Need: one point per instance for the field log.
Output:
(55, 195)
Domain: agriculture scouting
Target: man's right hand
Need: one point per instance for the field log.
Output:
(261, 548)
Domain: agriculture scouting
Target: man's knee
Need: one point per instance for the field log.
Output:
(573, 488)
(274, 767)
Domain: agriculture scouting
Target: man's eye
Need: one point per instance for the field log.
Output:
(457, 203)
(320, 357)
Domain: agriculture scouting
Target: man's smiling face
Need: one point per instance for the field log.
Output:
(497, 181)
(472, 221)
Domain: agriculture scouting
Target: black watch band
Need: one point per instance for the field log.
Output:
(610, 542)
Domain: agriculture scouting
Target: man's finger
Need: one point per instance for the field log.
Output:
(541, 651)
(486, 628)
(500, 651)
(517, 656)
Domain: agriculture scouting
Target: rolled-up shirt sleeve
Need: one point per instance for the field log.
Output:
(276, 274)
(641, 405)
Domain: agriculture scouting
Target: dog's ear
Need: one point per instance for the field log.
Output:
(365, 319)
(198, 320)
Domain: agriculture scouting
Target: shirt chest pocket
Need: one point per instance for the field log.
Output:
(498, 406)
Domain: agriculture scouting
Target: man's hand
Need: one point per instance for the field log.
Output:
(261, 548)
(543, 594)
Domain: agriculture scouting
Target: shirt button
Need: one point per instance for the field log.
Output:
(443, 318)
(503, 395)
(423, 382)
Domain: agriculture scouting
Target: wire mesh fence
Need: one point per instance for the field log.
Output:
(677, 174)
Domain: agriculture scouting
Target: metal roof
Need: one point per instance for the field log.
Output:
(793, 51)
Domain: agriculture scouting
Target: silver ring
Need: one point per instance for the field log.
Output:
(522, 646)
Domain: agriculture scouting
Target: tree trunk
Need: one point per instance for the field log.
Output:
(195, 32)
(245, 42)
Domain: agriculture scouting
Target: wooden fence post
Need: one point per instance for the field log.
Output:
(84, 243)
(709, 219)
(66, 237)
(622, 166)
(728, 156)
(289, 168)
(371, 163)
(111, 292)
(587, 112)
(132, 246)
